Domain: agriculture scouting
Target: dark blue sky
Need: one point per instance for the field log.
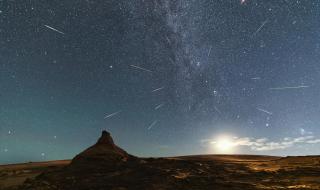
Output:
(247, 71)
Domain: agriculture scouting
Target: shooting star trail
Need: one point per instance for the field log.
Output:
(158, 89)
(172, 61)
(289, 87)
(260, 28)
(141, 68)
(159, 106)
(209, 52)
(113, 114)
(255, 78)
(51, 28)
(264, 111)
(152, 124)
(217, 109)
(167, 38)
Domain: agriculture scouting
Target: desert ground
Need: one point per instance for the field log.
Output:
(14, 175)
(106, 166)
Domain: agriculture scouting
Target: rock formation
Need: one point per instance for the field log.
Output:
(104, 152)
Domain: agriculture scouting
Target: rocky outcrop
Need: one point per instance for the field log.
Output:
(103, 152)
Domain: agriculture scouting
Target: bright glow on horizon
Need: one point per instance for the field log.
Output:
(223, 145)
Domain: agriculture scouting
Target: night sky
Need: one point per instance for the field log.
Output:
(165, 77)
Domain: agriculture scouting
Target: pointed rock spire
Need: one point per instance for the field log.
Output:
(105, 138)
(103, 151)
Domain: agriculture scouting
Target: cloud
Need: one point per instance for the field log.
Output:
(313, 141)
(264, 144)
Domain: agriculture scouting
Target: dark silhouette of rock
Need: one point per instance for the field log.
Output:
(106, 139)
(104, 151)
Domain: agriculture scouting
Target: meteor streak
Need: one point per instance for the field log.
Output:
(51, 28)
(141, 68)
(289, 87)
(113, 114)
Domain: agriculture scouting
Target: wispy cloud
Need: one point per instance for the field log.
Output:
(265, 144)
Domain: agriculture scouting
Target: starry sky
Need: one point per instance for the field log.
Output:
(165, 77)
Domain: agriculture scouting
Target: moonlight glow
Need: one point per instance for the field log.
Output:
(223, 145)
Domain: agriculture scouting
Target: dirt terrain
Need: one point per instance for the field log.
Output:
(106, 166)
(14, 175)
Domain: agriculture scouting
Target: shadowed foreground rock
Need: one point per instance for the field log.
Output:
(105, 166)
